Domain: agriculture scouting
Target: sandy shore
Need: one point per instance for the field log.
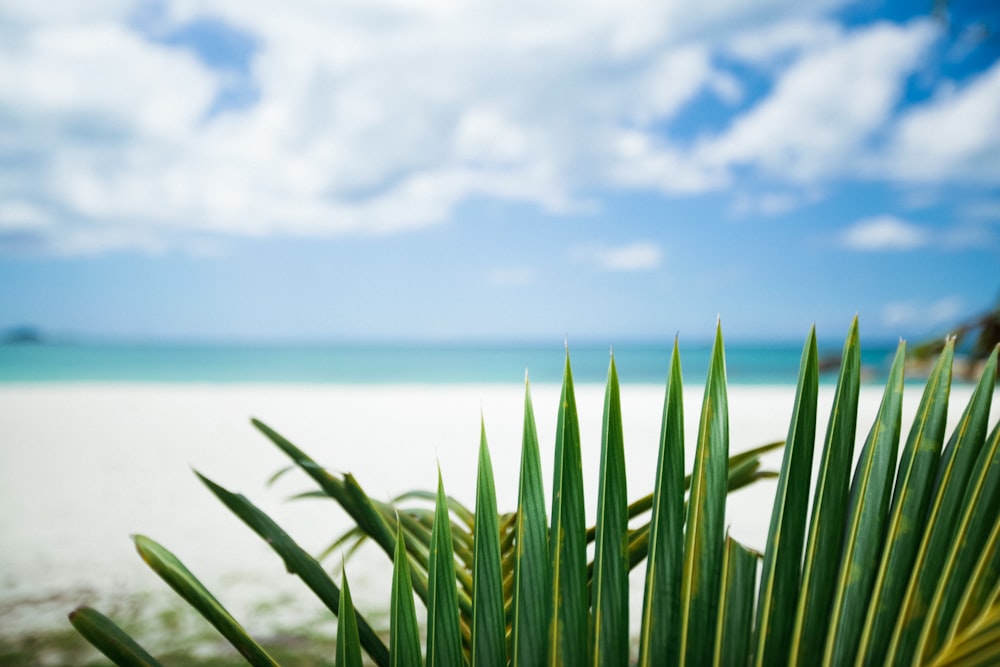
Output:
(83, 466)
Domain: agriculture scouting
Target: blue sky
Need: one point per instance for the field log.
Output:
(448, 170)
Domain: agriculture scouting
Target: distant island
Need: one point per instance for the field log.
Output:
(22, 335)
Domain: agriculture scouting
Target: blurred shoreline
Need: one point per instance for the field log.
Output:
(386, 364)
(85, 465)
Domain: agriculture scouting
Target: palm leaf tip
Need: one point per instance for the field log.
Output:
(444, 639)
(348, 641)
(780, 578)
(829, 508)
(660, 627)
(104, 635)
(404, 634)
(169, 568)
(529, 606)
(568, 558)
(609, 590)
(704, 533)
(489, 622)
(867, 516)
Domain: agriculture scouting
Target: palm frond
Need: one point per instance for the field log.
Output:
(779, 586)
(568, 603)
(348, 643)
(444, 636)
(404, 634)
(950, 487)
(105, 635)
(829, 511)
(530, 549)
(734, 634)
(609, 590)
(659, 638)
(488, 621)
(894, 566)
(702, 569)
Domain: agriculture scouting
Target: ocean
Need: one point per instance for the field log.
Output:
(637, 363)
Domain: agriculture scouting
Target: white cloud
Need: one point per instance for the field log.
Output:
(884, 233)
(376, 117)
(639, 160)
(889, 233)
(486, 136)
(764, 47)
(23, 14)
(371, 117)
(637, 256)
(726, 86)
(74, 74)
(672, 80)
(825, 107)
(22, 216)
(954, 137)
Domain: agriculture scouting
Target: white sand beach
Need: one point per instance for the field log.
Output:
(83, 466)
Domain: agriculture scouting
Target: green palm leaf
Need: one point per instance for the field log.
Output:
(909, 506)
(974, 627)
(825, 540)
(922, 545)
(734, 634)
(488, 621)
(870, 496)
(609, 591)
(529, 616)
(700, 583)
(743, 469)
(779, 586)
(348, 644)
(297, 561)
(178, 577)
(362, 512)
(957, 466)
(109, 639)
(444, 639)
(660, 630)
(979, 647)
(984, 577)
(980, 511)
(567, 552)
(404, 634)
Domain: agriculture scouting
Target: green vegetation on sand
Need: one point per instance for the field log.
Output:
(895, 564)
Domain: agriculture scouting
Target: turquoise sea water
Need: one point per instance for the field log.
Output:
(373, 364)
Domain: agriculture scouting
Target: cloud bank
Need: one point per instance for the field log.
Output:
(141, 130)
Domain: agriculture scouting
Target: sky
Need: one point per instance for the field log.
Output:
(445, 170)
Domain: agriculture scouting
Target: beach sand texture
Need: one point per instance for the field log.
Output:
(83, 466)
